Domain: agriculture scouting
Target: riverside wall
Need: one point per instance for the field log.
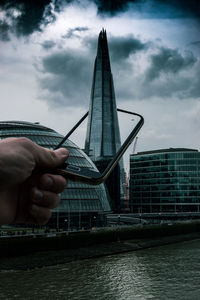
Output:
(25, 245)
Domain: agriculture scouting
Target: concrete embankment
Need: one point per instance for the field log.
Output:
(30, 252)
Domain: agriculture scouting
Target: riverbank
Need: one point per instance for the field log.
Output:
(63, 249)
(50, 258)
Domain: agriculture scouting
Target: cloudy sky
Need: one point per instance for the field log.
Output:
(47, 52)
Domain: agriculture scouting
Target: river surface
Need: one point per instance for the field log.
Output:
(167, 272)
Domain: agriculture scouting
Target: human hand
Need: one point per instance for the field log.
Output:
(27, 194)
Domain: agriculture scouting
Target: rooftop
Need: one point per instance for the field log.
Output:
(23, 124)
(166, 151)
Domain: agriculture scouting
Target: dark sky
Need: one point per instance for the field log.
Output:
(35, 13)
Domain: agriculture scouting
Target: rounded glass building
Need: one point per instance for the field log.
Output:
(82, 205)
(166, 180)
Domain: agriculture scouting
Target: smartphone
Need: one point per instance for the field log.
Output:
(91, 176)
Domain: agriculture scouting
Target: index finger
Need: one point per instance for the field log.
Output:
(52, 183)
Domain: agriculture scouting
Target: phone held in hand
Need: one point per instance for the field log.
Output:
(91, 176)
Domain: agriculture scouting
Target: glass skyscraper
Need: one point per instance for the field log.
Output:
(166, 180)
(103, 136)
(82, 205)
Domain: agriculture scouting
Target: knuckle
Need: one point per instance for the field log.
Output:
(41, 215)
(61, 183)
(27, 144)
(53, 201)
(53, 183)
(24, 141)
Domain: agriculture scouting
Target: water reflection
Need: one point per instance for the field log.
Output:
(170, 272)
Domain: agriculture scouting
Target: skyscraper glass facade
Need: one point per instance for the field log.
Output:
(165, 180)
(81, 204)
(103, 136)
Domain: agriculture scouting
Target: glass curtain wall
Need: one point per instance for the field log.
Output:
(165, 181)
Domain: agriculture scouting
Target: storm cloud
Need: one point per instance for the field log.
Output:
(169, 61)
(167, 74)
(177, 86)
(66, 76)
(123, 47)
(23, 17)
(4, 31)
(151, 8)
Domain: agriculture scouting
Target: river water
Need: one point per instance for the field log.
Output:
(167, 272)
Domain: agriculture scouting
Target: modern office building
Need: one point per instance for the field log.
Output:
(166, 180)
(103, 136)
(82, 205)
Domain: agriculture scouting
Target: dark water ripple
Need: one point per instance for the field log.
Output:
(168, 272)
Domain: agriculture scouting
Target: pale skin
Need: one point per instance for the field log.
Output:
(27, 191)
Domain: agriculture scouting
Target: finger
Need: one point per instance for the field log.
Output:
(52, 183)
(39, 215)
(48, 158)
(45, 198)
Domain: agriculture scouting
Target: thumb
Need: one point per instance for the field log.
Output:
(51, 159)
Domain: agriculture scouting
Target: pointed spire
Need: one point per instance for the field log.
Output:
(102, 50)
(103, 138)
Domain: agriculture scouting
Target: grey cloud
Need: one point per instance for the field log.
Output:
(112, 7)
(33, 14)
(4, 31)
(167, 88)
(72, 32)
(184, 7)
(48, 44)
(123, 47)
(169, 61)
(195, 43)
(67, 78)
(120, 48)
(179, 78)
(130, 87)
(151, 8)
(30, 17)
(182, 85)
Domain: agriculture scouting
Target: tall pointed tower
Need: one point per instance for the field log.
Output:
(103, 136)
